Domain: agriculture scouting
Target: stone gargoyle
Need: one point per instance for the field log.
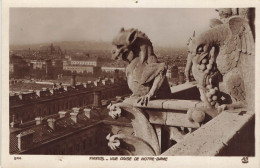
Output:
(222, 63)
(147, 80)
(145, 76)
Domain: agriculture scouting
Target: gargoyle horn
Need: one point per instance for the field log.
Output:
(194, 33)
(132, 36)
(122, 29)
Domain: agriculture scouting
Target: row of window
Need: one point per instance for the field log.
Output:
(83, 63)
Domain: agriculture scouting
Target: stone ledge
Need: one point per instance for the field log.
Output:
(183, 87)
(170, 104)
(170, 118)
(212, 137)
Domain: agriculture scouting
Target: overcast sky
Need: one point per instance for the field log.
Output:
(165, 27)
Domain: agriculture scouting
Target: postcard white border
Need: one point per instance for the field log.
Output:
(83, 161)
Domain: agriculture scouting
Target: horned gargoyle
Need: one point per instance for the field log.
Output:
(146, 78)
(222, 62)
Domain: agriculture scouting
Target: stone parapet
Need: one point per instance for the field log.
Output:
(217, 135)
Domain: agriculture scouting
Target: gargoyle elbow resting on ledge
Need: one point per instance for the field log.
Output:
(145, 76)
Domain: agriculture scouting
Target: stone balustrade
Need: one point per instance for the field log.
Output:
(229, 133)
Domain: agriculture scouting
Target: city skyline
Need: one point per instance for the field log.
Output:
(166, 28)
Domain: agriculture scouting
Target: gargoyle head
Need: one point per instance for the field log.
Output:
(198, 47)
(122, 44)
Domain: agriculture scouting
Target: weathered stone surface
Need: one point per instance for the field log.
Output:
(179, 104)
(183, 91)
(142, 127)
(212, 137)
(180, 120)
(146, 77)
(158, 129)
(222, 59)
(171, 118)
(169, 104)
(129, 145)
(157, 117)
(183, 87)
(153, 104)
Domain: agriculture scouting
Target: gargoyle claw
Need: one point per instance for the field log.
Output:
(115, 111)
(144, 100)
(113, 142)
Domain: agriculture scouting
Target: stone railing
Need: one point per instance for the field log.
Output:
(231, 133)
(217, 134)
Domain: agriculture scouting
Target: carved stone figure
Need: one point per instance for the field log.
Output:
(222, 62)
(145, 76)
(147, 80)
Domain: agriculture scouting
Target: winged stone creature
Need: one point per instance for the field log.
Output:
(146, 77)
(222, 63)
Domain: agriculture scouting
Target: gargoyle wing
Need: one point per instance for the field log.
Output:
(151, 71)
(241, 39)
(239, 51)
(240, 43)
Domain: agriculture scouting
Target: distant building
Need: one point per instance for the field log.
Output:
(17, 66)
(27, 106)
(112, 69)
(82, 64)
(52, 67)
(50, 50)
(82, 69)
(37, 64)
(84, 60)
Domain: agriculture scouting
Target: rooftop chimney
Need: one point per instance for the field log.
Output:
(112, 80)
(25, 139)
(62, 114)
(87, 112)
(14, 124)
(38, 120)
(96, 83)
(85, 85)
(51, 123)
(38, 93)
(75, 109)
(104, 82)
(73, 116)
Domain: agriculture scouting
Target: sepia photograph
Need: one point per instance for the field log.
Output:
(149, 83)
